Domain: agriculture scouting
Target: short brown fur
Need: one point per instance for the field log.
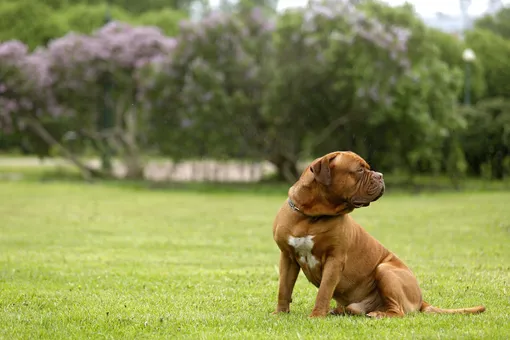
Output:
(354, 269)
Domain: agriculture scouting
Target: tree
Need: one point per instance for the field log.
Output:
(131, 6)
(334, 66)
(167, 20)
(29, 21)
(492, 51)
(69, 76)
(206, 97)
(450, 51)
(26, 97)
(498, 23)
(424, 114)
(487, 138)
(87, 18)
(80, 66)
(239, 89)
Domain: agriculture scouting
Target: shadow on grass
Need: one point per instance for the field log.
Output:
(394, 183)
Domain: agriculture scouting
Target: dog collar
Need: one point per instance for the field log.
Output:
(293, 206)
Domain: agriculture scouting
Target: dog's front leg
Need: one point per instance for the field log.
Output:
(329, 281)
(289, 271)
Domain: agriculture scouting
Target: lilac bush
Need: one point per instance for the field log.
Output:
(236, 84)
(333, 65)
(211, 89)
(24, 86)
(357, 51)
(81, 66)
(69, 77)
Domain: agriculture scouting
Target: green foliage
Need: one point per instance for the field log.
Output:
(58, 127)
(208, 93)
(401, 16)
(132, 6)
(410, 133)
(423, 118)
(29, 21)
(35, 23)
(167, 20)
(332, 74)
(493, 51)
(367, 77)
(269, 6)
(85, 18)
(450, 50)
(487, 138)
(498, 23)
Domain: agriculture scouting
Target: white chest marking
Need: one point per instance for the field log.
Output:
(303, 247)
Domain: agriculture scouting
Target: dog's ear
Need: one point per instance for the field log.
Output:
(321, 171)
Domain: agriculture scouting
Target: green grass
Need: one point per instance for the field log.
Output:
(103, 261)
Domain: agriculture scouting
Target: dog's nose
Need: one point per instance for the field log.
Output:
(378, 175)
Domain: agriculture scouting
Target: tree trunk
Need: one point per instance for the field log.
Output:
(497, 165)
(287, 171)
(134, 168)
(133, 161)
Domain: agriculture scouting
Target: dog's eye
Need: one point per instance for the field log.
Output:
(361, 170)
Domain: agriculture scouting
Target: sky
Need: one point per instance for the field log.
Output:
(426, 8)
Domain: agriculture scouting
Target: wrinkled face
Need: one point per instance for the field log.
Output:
(337, 183)
(353, 180)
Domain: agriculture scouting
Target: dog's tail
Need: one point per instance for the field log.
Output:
(427, 308)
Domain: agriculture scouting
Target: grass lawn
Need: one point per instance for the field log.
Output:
(104, 261)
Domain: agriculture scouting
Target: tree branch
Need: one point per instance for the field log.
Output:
(39, 130)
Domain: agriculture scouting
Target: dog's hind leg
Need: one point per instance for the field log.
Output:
(370, 303)
(398, 288)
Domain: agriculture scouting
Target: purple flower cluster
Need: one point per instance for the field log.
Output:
(222, 63)
(351, 24)
(68, 75)
(214, 60)
(79, 63)
(24, 83)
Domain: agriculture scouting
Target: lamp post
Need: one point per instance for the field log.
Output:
(106, 121)
(469, 57)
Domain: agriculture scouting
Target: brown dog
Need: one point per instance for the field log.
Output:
(315, 233)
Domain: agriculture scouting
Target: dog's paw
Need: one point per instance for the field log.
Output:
(276, 312)
(317, 314)
(374, 315)
(337, 311)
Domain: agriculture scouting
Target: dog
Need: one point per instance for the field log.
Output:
(316, 234)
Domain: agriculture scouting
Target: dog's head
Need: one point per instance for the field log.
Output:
(335, 184)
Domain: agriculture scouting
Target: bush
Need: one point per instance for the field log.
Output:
(498, 23)
(86, 18)
(131, 6)
(368, 78)
(167, 20)
(208, 93)
(31, 22)
(492, 51)
(450, 51)
(72, 73)
(487, 139)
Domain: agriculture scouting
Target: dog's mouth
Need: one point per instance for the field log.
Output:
(361, 202)
(383, 188)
